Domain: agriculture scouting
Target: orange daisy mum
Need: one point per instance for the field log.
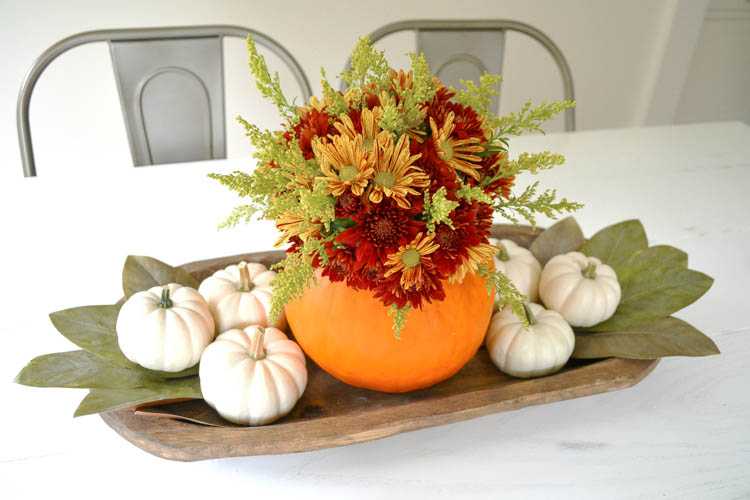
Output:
(395, 175)
(476, 255)
(292, 225)
(345, 163)
(370, 119)
(401, 80)
(458, 153)
(412, 261)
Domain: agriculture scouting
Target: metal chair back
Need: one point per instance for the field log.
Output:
(465, 49)
(171, 87)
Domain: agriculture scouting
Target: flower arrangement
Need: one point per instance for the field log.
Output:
(391, 186)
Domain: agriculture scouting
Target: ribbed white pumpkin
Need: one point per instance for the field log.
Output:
(253, 376)
(523, 351)
(240, 295)
(165, 328)
(582, 289)
(519, 265)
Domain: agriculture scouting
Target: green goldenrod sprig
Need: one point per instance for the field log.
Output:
(437, 209)
(479, 97)
(409, 113)
(473, 193)
(530, 202)
(318, 204)
(336, 102)
(270, 146)
(399, 316)
(269, 86)
(239, 182)
(241, 213)
(529, 118)
(296, 273)
(367, 66)
(508, 295)
(532, 163)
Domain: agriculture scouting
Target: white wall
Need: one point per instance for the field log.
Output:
(615, 48)
(718, 82)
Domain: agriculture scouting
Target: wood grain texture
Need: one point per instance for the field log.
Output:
(332, 413)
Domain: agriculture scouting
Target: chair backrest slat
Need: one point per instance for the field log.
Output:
(172, 97)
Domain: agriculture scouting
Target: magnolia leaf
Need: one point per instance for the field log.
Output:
(141, 273)
(100, 400)
(92, 328)
(655, 293)
(649, 260)
(662, 337)
(78, 369)
(562, 237)
(614, 244)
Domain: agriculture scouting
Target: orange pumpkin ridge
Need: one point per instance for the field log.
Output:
(349, 334)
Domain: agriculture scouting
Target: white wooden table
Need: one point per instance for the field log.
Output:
(684, 432)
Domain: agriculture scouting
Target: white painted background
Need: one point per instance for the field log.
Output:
(629, 59)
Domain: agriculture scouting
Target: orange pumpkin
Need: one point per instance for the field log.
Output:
(349, 334)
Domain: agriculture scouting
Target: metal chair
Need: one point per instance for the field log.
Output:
(465, 49)
(171, 87)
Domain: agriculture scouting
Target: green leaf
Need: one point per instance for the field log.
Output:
(78, 369)
(100, 400)
(141, 273)
(614, 244)
(655, 293)
(649, 259)
(562, 237)
(659, 338)
(92, 328)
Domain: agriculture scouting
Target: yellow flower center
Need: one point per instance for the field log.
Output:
(447, 148)
(411, 257)
(348, 172)
(367, 143)
(385, 179)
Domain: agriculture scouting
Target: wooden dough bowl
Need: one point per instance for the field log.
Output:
(332, 413)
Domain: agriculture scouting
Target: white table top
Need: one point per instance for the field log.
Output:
(684, 432)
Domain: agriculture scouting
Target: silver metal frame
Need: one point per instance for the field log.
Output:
(49, 55)
(490, 25)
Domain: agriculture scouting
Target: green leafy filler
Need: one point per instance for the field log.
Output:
(656, 283)
(271, 193)
(113, 381)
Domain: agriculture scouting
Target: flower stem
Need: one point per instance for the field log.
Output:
(590, 271)
(258, 352)
(529, 314)
(165, 302)
(245, 284)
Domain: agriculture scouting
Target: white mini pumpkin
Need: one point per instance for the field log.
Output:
(519, 265)
(582, 289)
(240, 295)
(253, 376)
(165, 328)
(523, 351)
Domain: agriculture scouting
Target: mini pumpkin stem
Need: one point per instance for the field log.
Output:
(165, 302)
(529, 314)
(590, 271)
(502, 253)
(258, 351)
(245, 284)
